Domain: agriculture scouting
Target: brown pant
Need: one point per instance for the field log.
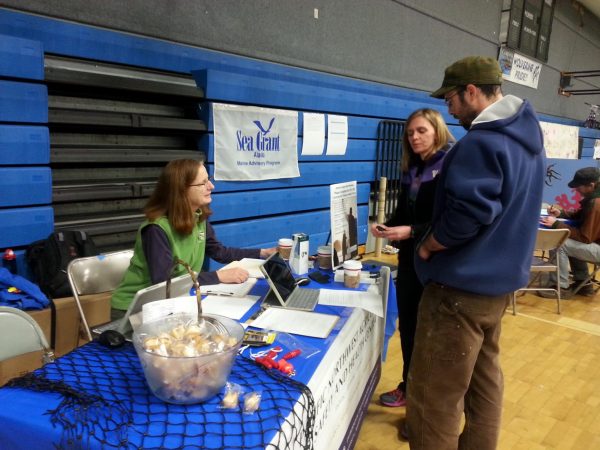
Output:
(455, 369)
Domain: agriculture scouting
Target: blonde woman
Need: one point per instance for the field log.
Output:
(425, 142)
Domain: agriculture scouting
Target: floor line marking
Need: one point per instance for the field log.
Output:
(573, 324)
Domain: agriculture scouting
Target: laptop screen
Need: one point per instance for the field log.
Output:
(280, 274)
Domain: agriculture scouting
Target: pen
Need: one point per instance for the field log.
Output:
(220, 294)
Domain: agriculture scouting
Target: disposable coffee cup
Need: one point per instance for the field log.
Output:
(284, 247)
(324, 256)
(352, 270)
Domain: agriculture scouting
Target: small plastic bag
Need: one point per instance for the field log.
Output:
(231, 398)
(251, 402)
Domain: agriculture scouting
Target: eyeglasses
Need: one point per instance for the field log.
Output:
(208, 180)
(447, 100)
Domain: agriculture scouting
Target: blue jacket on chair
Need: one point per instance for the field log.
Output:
(18, 292)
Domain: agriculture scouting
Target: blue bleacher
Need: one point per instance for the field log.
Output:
(252, 213)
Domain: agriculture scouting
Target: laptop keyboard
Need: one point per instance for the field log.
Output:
(303, 299)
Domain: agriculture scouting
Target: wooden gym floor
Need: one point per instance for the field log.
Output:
(551, 367)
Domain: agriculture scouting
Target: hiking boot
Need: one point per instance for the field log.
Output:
(565, 293)
(393, 398)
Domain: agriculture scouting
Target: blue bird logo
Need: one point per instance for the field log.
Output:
(260, 127)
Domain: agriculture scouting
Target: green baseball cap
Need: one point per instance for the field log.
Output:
(470, 70)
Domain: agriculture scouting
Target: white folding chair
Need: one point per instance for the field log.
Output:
(547, 239)
(20, 334)
(96, 274)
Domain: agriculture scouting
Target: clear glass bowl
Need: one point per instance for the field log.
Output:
(188, 379)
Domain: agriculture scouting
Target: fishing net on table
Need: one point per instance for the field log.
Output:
(106, 404)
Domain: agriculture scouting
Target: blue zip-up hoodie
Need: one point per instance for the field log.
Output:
(487, 203)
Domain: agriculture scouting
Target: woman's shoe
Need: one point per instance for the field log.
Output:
(393, 398)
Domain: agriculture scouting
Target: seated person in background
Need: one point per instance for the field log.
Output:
(583, 243)
(177, 225)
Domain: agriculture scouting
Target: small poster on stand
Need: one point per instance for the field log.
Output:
(344, 222)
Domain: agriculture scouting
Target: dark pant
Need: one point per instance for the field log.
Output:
(116, 314)
(408, 296)
(455, 369)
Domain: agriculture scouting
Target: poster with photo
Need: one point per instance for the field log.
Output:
(344, 222)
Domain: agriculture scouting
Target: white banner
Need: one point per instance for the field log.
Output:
(560, 141)
(519, 69)
(254, 143)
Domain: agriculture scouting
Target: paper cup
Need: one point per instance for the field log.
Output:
(324, 256)
(352, 270)
(284, 247)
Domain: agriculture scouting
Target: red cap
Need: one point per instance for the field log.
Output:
(9, 255)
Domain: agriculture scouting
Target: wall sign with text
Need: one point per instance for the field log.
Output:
(255, 143)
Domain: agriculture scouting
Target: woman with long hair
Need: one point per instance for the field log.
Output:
(425, 142)
(176, 226)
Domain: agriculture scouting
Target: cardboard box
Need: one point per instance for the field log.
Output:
(43, 317)
(20, 365)
(67, 331)
(68, 328)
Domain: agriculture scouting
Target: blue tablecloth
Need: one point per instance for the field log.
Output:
(105, 402)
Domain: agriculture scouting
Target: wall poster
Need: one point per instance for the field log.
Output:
(255, 143)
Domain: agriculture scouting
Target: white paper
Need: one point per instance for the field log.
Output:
(560, 141)
(337, 134)
(252, 265)
(232, 307)
(597, 149)
(313, 135)
(163, 308)
(292, 321)
(238, 290)
(369, 300)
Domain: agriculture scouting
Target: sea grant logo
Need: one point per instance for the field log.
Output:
(254, 143)
(259, 143)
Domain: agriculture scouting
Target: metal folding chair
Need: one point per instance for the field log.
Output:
(96, 274)
(591, 279)
(20, 334)
(547, 239)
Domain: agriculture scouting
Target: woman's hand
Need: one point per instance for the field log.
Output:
(232, 276)
(266, 252)
(399, 233)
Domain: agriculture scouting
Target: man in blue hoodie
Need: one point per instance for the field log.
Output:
(477, 252)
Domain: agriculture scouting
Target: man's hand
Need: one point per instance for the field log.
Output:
(554, 211)
(423, 253)
(429, 246)
(547, 221)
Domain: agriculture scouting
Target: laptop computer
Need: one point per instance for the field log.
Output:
(180, 286)
(284, 292)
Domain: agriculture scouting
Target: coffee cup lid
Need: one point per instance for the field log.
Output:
(286, 241)
(352, 264)
(324, 249)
